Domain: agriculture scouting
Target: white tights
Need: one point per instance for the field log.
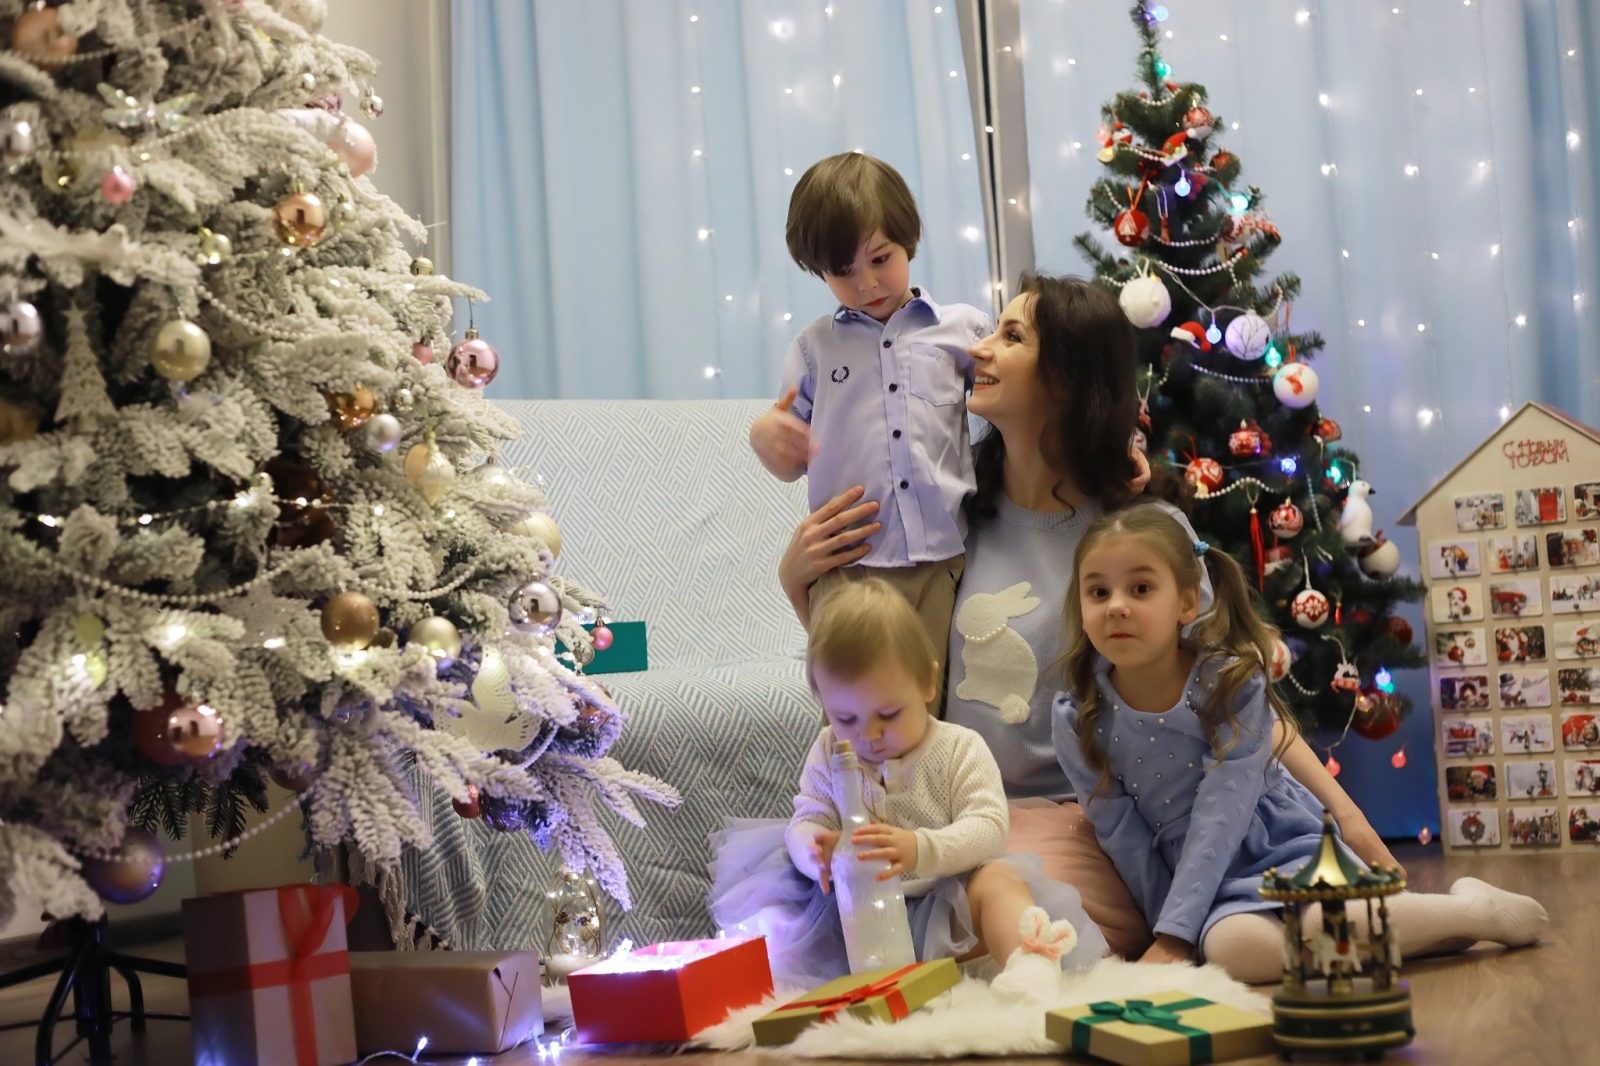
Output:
(1250, 945)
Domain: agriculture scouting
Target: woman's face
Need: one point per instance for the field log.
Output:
(1005, 388)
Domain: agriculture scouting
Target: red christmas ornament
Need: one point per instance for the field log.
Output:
(1399, 629)
(1360, 617)
(471, 807)
(1175, 149)
(1198, 123)
(1398, 759)
(1220, 160)
(1205, 474)
(1245, 442)
(1382, 720)
(1286, 520)
(1327, 430)
(1132, 227)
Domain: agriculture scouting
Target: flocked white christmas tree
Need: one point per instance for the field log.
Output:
(249, 526)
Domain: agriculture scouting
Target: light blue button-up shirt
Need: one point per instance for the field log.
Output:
(886, 402)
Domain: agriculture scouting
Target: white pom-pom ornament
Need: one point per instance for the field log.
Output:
(1295, 385)
(1146, 302)
(1248, 336)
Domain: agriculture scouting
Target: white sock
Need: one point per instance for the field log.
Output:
(1513, 920)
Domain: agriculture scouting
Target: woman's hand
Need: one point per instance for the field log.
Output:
(828, 538)
(1141, 471)
(1169, 948)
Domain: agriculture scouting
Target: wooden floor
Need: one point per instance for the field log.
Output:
(1521, 1008)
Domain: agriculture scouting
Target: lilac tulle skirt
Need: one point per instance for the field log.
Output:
(756, 890)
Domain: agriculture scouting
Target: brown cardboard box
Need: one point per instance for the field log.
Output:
(464, 1002)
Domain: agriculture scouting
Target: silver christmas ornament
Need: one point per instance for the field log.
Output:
(383, 433)
(403, 401)
(20, 327)
(214, 248)
(422, 266)
(371, 104)
(16, 140)
(535, 608)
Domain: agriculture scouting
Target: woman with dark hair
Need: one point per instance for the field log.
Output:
(1055, 384)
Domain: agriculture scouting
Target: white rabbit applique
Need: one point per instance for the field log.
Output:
(1000, 667)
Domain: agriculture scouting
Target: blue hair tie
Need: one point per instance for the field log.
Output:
(1201, 547)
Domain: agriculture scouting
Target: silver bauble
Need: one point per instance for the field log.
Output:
(535, 608)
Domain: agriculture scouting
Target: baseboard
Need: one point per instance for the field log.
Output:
(143, 930)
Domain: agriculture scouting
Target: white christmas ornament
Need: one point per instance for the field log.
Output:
(1295, 385)
(1309, 609)
(1248, 336)
(1381, 561)
(1355, 521)
(1146, 302)
(1282, 659)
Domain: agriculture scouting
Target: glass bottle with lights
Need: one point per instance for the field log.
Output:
(877, 929)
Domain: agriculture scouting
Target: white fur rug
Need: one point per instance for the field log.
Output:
(968, 1019)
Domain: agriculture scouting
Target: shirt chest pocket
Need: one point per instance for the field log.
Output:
(935, 376)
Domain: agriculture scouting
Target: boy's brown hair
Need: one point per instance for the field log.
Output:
(839, 202)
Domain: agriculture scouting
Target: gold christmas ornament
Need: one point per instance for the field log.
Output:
(17, 423)
(214, 248)
(535, 608)
(422, 266)
(300, 220)
(353, 409)
(38, 35)
(181, 351)
(429, 470)
(540, 527)
(440, 636)
(195, 733)
(350, 621)
(403, 400)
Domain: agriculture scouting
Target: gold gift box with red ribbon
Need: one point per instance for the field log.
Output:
(269, 977)
(887, 995)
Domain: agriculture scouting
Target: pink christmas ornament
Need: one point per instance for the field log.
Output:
(352, 143)
(118, 186)
(473, 362)
(602, 637)
(422, 353)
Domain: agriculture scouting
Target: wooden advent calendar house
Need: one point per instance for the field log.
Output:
(1510, 548)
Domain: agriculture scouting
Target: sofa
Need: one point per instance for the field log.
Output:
(664, 510)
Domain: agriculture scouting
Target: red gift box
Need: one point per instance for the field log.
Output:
(668, 991)
(269, 977)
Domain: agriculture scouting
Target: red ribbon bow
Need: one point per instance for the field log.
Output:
(886, 986)
(306, 912)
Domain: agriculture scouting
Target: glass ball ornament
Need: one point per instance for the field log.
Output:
(180, 351)
(493, 476)
(149, 729)
(132, 873)
(473, 362)
(539, 526)
(439, 636)
(470, 807)
(300, 219)
(1309, 609)
(429, 470)
(1295, 385)
(403, 401)
(353, 144)
(422, 352)
(383, 433)
(1145, 301)
(371, 104)
(353, 409)
(38, 35)
(21, 327)
(422, 266)
(350, 621)
(602, 637)
(1381, 720)
(213, 249)
(535, 608)
(16, 140)
(118, 186)
(1399, 628)
(195, 733)
(297, 778)
(344, 212)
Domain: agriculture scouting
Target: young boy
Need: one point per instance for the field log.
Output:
(874, 394)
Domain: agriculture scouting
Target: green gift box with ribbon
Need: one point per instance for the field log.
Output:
(887, 995)
(1168, 1029)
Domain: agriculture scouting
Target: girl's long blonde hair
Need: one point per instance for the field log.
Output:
(1231, 632)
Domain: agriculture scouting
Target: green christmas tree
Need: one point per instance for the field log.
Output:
(248, 523)
(1228, 398)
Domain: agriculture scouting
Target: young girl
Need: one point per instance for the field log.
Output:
(1166, 734)
(942, 827)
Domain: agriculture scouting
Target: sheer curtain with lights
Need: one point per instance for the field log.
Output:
(1429, 165)
(621, 173)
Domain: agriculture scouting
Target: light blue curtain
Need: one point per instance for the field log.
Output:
(621, 170)
(1429, 164)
